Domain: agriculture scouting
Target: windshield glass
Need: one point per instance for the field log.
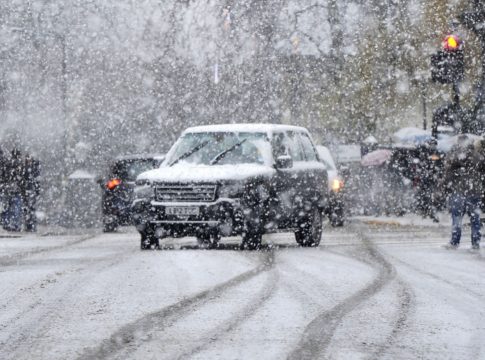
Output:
(221, 148)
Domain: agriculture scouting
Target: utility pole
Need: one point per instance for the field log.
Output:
(447, 67)
(475, 21)
(423, 98)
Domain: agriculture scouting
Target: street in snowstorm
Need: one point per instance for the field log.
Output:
(242, 179)
(373, 289)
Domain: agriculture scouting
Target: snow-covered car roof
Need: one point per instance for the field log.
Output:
(247, 128)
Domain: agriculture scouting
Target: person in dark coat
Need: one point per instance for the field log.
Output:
(12, 217)
(428, 176)
(2, 184)
(462, 179)
(30, 192)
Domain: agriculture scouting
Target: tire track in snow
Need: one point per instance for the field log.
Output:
(238, 318)
(319, 332)
(406, 304)
(477, 351)
(13, 259)
(128, 337)
(46, 311)
(439, 278)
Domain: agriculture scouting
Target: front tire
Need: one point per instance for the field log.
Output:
(336, 217)
(110, 223)
(149, 242)
(251, 240)
(206, 240)
(309, 232)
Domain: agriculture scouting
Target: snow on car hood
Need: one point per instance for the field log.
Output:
(206, 173)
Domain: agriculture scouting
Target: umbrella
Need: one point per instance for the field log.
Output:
(446, 144)
(412, 135)
(376, 158)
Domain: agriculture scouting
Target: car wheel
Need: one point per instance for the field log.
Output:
(336, 218)
(309, 231)
(149, 242)
(110, 225)
(206, 240)
(251, 239)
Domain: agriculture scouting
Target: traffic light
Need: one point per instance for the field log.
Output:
(448, 65)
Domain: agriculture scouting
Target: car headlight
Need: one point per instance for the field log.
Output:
(143, 191)
(230, 191)
(336, 185)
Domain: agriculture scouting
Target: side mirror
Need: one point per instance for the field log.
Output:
(284, 162)
(100, 182)
(344, 171)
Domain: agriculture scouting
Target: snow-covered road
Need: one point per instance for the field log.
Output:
(369, 291)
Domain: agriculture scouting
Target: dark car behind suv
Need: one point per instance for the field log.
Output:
(118, 188)
(224, 180)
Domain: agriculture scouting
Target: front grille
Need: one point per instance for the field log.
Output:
(185, 192)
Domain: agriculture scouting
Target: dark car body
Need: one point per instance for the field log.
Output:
(335, 209)
(118, 188)
(234, 179)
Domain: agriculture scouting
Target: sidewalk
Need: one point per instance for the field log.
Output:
(408, 220)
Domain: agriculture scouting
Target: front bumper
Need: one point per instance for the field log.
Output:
(224, 216)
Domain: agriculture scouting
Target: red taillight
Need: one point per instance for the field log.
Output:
(113, 183)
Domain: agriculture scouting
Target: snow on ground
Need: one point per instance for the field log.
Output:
(376, 288)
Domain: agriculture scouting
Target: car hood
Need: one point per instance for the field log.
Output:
(206, 173)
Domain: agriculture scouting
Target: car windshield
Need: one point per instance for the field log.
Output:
(128, 170)
(221, 148)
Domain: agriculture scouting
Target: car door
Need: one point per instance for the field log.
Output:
(314, 178)
(285, 189)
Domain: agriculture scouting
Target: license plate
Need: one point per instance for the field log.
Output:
(182, 210)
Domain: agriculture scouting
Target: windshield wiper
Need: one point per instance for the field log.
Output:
(221, 155)
(190, 152)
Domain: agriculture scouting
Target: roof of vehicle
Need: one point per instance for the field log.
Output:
(256, 128)
(140, 157)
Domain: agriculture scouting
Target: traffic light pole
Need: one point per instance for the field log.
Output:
(479, 97)
(456, 94)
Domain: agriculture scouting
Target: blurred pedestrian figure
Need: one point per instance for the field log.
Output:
(12, 215)
(462, 181)
(427, 179)
(30, 192)
(2, 184)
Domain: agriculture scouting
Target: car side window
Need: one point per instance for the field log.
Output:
(308, 148)
(294, 146)
(279, 146)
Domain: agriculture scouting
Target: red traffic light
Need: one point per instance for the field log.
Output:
(452, 43)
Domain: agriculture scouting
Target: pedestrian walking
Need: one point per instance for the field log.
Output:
(12, 215)
(2, 184)
(463, 181)
(427, 176)
(30, 192)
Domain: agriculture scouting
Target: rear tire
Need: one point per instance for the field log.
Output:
(309, 232)
(336, 218)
